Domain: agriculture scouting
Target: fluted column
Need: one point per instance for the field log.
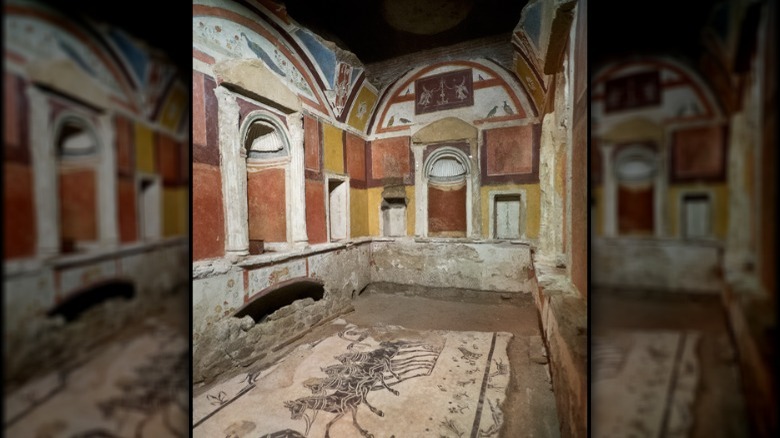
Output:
(108, 227)
(233, 169)
(420, 195)
(297, 179)
(45, 175)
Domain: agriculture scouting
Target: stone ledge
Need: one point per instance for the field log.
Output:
(564, 317)
(752, 319)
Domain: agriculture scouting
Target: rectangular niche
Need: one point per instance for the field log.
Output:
(394, 217)
(696, 215)
(507, 213)
(338, 208)
(149, 197)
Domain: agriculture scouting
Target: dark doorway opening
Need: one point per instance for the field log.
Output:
(76, 304)
(281, 295)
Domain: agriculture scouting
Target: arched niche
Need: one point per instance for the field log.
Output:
(265, 144)
(78, 151)
(281, 124)
(634, 172)
(445, 155)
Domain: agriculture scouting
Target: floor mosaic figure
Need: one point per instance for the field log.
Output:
(425, 379)
(652, 376)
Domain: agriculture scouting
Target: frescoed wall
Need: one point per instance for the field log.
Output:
(662, 140)
(96, 175)
(450, 149)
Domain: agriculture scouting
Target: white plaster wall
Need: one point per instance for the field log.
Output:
(268, 276)
(343, 268)
(504, 267)
(657, 264)
(214, 298)
(25, 297)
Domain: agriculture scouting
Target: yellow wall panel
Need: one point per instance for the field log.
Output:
(361, 108)
(720, 204)
(358, 212)
(144, 148)
(175, 211)
(333, 148)
(374, 203)
(173, 109)
(411, 213)
(532, 207)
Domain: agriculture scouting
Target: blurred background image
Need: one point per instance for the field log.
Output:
(683, 218)
(96, 221)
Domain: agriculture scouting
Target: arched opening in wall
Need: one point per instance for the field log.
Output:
(447, 174)
(267, 163)
(78, 303)
(636, 166)
(77, 151)
(281, 295)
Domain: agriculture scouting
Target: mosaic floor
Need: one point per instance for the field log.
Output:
(644, 383)
(133, 387)
(383, 381)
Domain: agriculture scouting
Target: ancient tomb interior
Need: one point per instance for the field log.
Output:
(683, 201)
(96, 229)
(389, 243)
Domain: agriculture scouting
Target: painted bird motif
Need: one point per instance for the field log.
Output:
(392, 120)
(405, 120)
(253, 46)
(492, 112)
(508, 109)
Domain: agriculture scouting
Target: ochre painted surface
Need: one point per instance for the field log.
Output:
(175, 211)
(374, 203)
(208, 217)
(530, 83)
(446, 210)
(78, 205)
(390, 158)
(173, 108)
(358, 212)
(198, 110)
(532, 207)
(333, 148)
(315, 212)
(19, 234)
(411, 213)
(311, 143)
(124, 145)
(127, 210)
(168, 159)
(362, 108)
(509, 150)
(356, 157)
(635, 210)
(144, 149)
(719, 207)
(267, 205)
